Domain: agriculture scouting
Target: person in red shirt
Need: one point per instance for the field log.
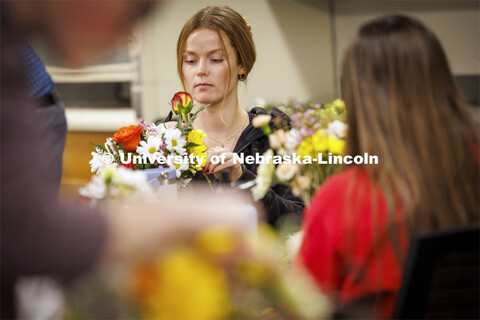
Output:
(404, 107)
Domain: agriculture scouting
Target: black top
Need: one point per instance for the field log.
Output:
(279, 199)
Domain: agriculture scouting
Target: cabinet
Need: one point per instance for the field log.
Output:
(101, 97)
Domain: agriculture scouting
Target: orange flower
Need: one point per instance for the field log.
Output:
(143, 279)
(129, 137)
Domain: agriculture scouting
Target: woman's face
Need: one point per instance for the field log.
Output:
(205, 67)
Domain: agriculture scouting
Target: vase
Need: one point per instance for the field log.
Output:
(160, 176)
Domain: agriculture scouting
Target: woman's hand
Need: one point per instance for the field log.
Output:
(154, 228)
(170, 124)
(225, 161)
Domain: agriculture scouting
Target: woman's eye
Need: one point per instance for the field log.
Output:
(189, 61)
(217, 60)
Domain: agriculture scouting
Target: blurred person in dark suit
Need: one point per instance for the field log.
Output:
(39, 237)
(50, 114)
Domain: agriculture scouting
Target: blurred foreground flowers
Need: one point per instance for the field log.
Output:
(315, 133)
(116, 182)
(218, 275)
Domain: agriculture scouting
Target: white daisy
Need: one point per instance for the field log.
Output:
(125, 182)
(151, 147)
(97, 164)
(121, 182)
(95, 189)
(337, 128)
(292, 140)
(161, 128)
(179, 167)
(175, 142)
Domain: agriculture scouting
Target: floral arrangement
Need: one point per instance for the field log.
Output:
(147, 145)
(219, 274)
(316, 132)
(116, 182)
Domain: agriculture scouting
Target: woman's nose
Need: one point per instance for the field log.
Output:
(202, 69)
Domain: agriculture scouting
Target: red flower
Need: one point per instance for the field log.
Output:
(128, 165)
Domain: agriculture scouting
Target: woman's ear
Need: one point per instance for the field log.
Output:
(242, 75)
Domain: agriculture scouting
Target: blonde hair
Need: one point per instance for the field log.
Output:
(222, 20)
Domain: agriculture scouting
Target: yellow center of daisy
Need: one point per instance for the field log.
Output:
(174, 142)
(152, 150)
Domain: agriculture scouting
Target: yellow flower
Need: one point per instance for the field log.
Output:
(307, 148)
(109, 174)
(187, 287)
(255, 273)
(196, 136)
(320, 141)
(216, 241)
(336, 146)
(261, 268)
(339, 105)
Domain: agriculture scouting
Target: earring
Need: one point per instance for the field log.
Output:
(242, 77)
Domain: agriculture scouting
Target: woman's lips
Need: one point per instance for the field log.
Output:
(203, 85)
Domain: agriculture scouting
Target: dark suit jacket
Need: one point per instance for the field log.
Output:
(37, 236)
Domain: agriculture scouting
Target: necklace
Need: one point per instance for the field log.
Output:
(224, 142)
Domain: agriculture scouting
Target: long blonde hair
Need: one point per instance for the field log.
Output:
(403, 106)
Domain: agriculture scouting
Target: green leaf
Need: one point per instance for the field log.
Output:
(179, 123)
(148, 165)
(191, 145)
(196, 113)
(99, 146)
(267, 130)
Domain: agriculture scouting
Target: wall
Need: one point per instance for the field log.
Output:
(456, 24)
(294, 53)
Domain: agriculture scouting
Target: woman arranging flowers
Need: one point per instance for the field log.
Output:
(215, 51)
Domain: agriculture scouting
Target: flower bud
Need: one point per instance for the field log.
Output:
(261, 120)
(286, 171)
(182, 103)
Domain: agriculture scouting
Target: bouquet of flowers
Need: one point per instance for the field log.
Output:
(303, 151)
(219, 274)
(117, 182)
(147, 145)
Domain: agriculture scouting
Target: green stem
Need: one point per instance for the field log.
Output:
(208, 180)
